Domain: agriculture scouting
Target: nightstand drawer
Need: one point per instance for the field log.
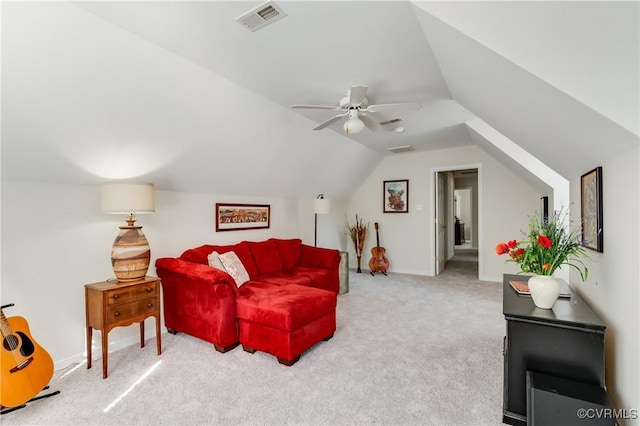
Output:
(128, 294)
(126, 311)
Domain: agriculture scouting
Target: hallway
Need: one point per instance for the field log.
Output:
(463, 264)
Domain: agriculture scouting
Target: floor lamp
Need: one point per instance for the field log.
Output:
(320, 206)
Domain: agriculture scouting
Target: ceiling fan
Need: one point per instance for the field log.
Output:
(355, 107)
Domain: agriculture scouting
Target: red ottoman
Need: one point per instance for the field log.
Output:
(286, 321)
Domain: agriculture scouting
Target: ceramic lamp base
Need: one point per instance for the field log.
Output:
(130, 254)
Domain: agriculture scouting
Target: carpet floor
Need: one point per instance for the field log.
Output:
(409, 350)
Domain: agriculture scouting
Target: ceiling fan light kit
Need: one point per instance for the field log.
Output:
(353, 124)
(355, 107)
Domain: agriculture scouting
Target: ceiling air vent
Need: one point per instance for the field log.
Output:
(402, 148)
(261, 16)
(394, 125)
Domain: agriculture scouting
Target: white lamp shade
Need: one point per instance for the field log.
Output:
(353, 125)
(125, 198)
(321, 206)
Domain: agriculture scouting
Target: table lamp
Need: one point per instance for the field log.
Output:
(130, 254)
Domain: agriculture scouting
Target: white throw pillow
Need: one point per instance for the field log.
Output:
(234, 267)
(215, 262)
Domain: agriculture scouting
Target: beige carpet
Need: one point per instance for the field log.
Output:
(409, 350)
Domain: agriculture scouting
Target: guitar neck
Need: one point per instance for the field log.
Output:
(4, 325)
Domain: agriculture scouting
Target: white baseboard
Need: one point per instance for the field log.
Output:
(115, 345)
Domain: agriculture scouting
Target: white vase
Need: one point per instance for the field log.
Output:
(545, 290)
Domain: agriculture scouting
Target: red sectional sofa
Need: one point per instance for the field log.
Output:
(287, 305)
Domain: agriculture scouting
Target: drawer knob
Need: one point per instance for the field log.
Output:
(116, 296)
(149, 289)
(117, 313)
(149, 305)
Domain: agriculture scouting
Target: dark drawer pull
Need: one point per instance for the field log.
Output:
(116, 296)
(117, 314)
(149, 305)
(149, 289)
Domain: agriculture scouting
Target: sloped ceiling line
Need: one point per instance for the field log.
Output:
(183, 84)
(544, 121)
(588, 50)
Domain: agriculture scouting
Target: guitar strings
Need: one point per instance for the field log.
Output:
(9, 339)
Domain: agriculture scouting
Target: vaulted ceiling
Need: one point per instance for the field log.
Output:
(182, 95)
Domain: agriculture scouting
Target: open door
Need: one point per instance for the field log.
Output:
(443, 184)
(440, 222)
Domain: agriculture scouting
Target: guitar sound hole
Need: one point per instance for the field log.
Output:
(11, 342)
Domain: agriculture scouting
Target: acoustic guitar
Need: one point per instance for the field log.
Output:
(378, 261)
(25, 367)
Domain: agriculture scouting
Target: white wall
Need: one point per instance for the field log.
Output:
(612, 287)
(55, 239)
(408, 238)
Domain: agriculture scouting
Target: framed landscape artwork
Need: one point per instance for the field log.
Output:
(591, 203)
(235, 217)
(395, 196)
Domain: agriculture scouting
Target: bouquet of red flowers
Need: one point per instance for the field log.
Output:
(547, 247)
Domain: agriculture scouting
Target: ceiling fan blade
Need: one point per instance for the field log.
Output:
(370, 123)
(337, 108)
(410, 106)
(330, 121)
(357, 94)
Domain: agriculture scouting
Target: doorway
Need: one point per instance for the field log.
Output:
(457, 217)
(463, 214)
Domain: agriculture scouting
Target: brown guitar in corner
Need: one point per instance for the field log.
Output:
(25, 367)
(378, 262)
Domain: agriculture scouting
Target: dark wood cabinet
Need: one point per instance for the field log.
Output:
(555, 401)
(459, 233)
(566, 341)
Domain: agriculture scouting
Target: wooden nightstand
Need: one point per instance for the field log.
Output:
(110, 304)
